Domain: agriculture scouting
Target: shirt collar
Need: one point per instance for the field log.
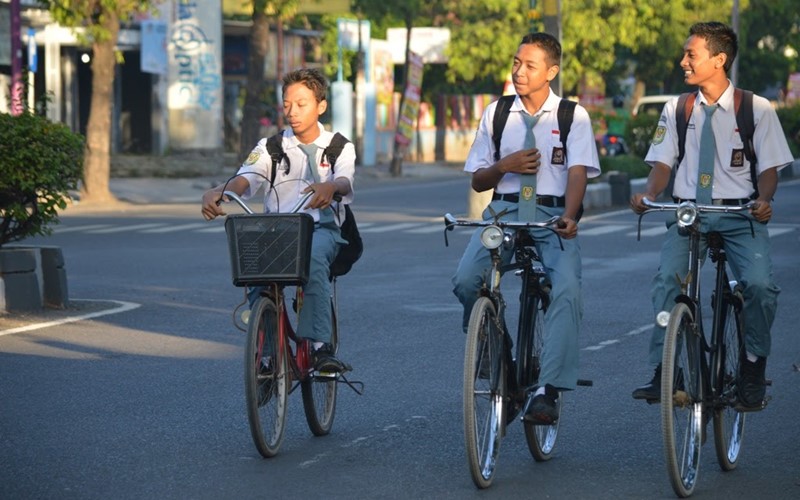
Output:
(725, 101)
(549, 104)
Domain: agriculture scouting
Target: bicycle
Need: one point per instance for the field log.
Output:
(698, 376)
(273, 251)
(496, 384)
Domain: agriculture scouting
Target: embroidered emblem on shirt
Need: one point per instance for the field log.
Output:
(737, 158)
(252, 158)
(558, 156)
(658, 135)
(527, 193)
(705, 180)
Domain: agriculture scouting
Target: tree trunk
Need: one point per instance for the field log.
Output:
(252, 110)
(396, 167)
(97, 158)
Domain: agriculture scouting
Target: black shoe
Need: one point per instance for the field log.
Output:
(651, 391)
(325, 361)
(752, 386)
(542, 409)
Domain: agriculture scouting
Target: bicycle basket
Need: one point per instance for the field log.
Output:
(269, 248)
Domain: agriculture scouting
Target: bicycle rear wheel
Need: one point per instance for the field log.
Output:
(484, 392)
(681, 401)
(541, 439)
(319, 392)
(266, 380)
(729, 423)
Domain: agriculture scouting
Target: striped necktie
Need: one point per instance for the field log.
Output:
(527, 182)
(708, 146)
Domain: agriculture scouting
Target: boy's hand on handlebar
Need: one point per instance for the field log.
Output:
(761, 211)
(212, 204)
(567, 228)
(636, 202)
(323, 194)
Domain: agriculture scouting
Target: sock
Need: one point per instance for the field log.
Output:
(751, 357)
(539, 391)
(317, 345)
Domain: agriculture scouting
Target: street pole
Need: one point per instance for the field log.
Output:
(16, 59)
(551, 19)
(735, 25)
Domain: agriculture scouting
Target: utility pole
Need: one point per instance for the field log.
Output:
(735, 25)
(16, 59)
(551, 18)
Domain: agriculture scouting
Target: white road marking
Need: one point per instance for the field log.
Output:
(123, 306)
(122, 229)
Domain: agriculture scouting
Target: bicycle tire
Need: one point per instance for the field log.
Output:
(541, 439)
(729, 423)
(681, 401)
(319, 392)
(484, 392)
(266, 378)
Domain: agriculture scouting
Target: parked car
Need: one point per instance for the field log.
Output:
(651, 104)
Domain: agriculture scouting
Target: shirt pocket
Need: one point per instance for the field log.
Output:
(556, 152)
(736, 160)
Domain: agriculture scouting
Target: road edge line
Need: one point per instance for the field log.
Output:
(123, 306)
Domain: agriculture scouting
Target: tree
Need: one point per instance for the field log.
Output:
(769, 36)
(97, 24)
(263, 11)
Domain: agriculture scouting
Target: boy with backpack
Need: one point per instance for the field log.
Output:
(538, 169)
(297, 161)
(737, 160)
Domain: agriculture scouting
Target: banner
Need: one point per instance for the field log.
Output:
(154, 47)
(410, 109)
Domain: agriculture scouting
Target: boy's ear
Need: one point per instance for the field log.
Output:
(322, 106)
(552, 71)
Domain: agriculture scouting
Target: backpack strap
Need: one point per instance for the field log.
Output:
(745, 122)
(275, 150)
(566, 112)
(499, 121)
(683, 111)
(334, 149)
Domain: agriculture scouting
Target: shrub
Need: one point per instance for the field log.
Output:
(40, 161)
(790, 121)
(632, 165)
(639, 133)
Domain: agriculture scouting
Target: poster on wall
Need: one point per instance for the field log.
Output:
(410, 110)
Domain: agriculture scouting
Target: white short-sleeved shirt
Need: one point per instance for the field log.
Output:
(292, 177)
(552, 176)
(731, 168)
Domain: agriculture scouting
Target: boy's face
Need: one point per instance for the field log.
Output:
(698, 64)
(301, 109)
(531, 72)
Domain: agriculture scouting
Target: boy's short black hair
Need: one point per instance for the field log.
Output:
(546, 42)
(719, 37)
(311, 78)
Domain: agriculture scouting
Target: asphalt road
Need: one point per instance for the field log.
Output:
(148, 401)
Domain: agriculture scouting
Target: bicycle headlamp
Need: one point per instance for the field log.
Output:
(686, 214)
(491, 237)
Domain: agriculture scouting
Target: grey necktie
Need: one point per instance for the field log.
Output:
(326, 214)
(708, 146)
(527, 182)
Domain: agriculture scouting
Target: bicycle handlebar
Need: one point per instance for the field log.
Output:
(653, 206)
(296, 208)
(450, 222)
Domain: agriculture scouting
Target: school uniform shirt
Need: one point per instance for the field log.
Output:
(731, 168)
(551, 180)
(293, 176)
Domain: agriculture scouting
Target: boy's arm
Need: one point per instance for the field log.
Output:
(657, 181)
(576, 189)
(211, 208)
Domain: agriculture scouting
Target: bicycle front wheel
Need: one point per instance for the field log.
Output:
(681, 400)
(319, 393)
(541, 439)
(729, 423)
(266, 380)
(484, 392)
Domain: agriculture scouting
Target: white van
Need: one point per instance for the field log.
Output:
(651, 104)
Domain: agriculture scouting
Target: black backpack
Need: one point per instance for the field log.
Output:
(350, 253)
(566, 111)
(745, 122)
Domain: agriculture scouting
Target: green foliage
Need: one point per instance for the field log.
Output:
(632, 165)
(768, 28)
(790, 121)
(639, 133)
(39, 162)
